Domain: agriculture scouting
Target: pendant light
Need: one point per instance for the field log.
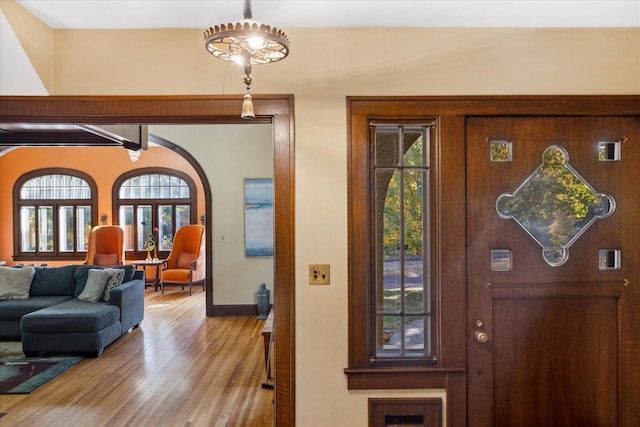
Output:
(247, 42)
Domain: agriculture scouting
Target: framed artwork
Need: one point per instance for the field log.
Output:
(258, 217)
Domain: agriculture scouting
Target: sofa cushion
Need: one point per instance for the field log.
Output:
(16, 308)
(15, 282)
(53, 281)
(94, 288)
(10, 330)
(71, 316)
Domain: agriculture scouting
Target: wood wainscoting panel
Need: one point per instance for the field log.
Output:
(552, 361)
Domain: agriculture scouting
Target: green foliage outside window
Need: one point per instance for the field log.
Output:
(413, 204)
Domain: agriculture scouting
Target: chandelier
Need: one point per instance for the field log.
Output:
(247, 42)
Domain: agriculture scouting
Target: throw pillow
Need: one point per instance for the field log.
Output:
(184, 260)
(129, 271)
(80, 275)
(115, 279)
(106, 259)
(96, 282)
(15, 282)
(81, 272)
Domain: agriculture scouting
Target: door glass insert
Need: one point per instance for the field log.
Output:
(609, 259)
(555, 205)
(500, 260)
(500, 151)
(609, 151)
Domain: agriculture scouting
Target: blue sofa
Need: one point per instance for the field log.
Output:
(53, 320)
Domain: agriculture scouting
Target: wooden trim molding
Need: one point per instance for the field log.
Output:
(451, 114)
(400, 378)
(274, 109)
(227, 310)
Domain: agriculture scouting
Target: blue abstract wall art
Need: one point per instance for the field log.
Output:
(258, 216)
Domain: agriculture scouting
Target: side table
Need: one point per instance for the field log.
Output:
(143, 264)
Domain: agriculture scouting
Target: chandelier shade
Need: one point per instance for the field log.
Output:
(247, 42)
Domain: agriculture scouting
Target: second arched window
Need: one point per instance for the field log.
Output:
(151, 204)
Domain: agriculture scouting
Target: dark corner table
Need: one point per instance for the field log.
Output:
(143, 264)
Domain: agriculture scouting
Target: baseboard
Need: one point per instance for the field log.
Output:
(230, 310)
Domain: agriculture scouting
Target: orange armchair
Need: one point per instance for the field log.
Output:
(106, 245)
(185, 264)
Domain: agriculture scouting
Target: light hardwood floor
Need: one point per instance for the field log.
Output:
(179, 368)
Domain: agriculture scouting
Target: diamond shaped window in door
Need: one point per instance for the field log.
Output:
(555, 205)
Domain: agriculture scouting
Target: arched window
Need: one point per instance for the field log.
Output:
(148, 198)
(54, 210)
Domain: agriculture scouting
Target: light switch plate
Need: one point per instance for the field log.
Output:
(319, 274)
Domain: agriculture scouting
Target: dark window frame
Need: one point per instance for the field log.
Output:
(18, 203)
(154, 203)
(427, 127)
(446, 239)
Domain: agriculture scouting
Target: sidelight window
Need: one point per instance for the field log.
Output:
(402, 309)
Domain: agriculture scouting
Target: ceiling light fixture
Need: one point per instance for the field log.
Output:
(247, 42)
(134, 155)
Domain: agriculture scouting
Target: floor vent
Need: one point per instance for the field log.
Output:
(411, 412)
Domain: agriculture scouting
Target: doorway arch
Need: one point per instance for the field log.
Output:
(277, 110)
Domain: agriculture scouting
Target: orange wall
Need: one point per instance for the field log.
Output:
(103, 164)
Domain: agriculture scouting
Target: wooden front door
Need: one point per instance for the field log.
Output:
(549, 339)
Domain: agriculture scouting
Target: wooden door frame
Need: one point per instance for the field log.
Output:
(277, 110)
(451, 114)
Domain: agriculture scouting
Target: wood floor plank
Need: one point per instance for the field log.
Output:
(179, 368)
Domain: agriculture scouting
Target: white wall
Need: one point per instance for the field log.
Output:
(232, 153)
